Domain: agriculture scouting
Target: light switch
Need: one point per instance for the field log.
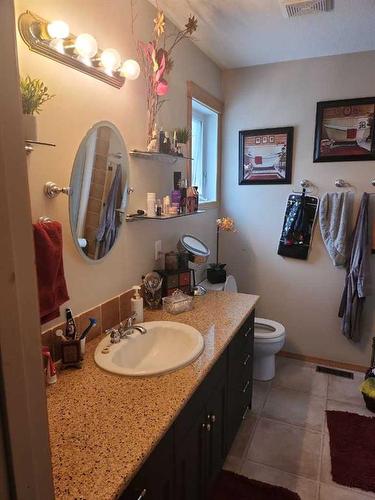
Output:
(157, 249)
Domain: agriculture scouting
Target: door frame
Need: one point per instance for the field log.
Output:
(23, 396)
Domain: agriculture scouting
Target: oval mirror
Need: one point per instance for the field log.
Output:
(98, 183)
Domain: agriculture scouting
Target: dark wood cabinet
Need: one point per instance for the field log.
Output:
(186, 462)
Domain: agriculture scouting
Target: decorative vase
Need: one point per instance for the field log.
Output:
(29, 128)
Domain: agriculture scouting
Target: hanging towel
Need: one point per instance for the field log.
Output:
(334, 217)
(107, 232)
(357, 281)
(50, 269)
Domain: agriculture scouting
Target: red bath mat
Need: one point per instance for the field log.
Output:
(231, 486)
(352, 442)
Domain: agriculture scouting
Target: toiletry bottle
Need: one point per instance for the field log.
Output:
(137, 305)
(161, 140)
(51, 376)
(70, 326)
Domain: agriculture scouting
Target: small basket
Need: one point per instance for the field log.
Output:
(178, 302)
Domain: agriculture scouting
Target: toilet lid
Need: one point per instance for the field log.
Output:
(267, 329)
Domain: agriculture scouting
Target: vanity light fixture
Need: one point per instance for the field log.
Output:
(54, 40)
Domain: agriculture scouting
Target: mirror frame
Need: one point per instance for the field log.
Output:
(125, 194)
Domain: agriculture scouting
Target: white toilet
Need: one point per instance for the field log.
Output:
(269, 336)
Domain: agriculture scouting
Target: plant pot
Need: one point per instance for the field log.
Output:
(216, 275)
(30, 128)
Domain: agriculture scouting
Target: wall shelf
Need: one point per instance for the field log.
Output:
(147, 155)
(161, 217)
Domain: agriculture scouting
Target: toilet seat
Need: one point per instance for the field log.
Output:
(267, 330)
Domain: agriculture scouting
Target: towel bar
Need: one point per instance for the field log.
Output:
(51, 190)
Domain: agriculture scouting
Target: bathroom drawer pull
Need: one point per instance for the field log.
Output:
(246, 386)
(248, 332)
(143, 494)
(245, 413)
(247, 359)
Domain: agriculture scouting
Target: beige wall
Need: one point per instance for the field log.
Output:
(303, 295)
(80, 102)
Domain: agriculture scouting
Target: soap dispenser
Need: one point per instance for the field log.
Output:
(137, 305)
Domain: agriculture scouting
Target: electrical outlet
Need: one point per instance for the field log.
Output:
(157, 249)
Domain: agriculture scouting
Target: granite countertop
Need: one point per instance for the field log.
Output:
(103, 426)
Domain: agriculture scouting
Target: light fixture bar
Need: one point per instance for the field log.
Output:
(33, 32)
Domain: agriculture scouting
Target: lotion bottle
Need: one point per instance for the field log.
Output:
(137, 305)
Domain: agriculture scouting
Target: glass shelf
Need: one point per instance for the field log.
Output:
(161, 217)
(148, 155)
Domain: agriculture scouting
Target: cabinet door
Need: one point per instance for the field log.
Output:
(191, 459)
(215, 428)
(155, 480)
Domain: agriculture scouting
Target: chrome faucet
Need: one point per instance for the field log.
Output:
(124, 331)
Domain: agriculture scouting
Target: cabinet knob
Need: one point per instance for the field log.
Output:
(204, 426)
(208, 427)
(213, 418)
(143, 494)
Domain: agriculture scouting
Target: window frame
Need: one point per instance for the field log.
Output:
(194, 92)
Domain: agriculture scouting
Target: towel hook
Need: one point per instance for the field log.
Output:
(51, 190)
(44, 219)
(373, 182)
(306, 186)
(341, 183)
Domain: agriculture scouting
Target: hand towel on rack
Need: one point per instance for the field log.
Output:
(50, 269)
(357, 281)
(334, 217)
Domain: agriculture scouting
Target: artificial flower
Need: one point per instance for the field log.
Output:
(162, 87)
(225, 224)
(159, 22)
(191, 25)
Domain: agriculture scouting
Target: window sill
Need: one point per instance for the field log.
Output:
(208, 204)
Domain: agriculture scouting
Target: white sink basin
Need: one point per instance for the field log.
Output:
(166, 346)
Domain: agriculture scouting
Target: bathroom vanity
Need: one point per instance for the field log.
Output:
(162, 437)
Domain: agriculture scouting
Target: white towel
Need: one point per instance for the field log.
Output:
(334, 216)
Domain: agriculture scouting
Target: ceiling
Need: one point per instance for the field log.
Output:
(238, 33)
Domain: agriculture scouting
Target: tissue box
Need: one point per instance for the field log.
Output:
(177, 303)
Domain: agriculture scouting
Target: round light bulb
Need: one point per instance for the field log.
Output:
(130, 69)
(58, 45)
(86, 45)
(58, 29)
(110, 59)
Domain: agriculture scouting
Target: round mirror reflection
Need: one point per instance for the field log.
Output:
(99, 190)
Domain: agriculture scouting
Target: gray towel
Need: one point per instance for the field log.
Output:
(334, 216)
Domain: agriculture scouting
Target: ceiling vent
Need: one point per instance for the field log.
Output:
(294, 8)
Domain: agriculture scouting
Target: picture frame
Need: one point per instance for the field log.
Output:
(265, 156)
(344, 130)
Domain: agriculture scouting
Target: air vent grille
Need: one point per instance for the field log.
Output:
(294, 8)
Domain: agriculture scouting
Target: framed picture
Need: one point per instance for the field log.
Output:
(265, 156)
(344, 130)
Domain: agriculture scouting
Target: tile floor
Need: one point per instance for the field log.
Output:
(285, 440)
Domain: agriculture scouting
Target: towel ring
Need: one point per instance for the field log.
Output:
(51, 190)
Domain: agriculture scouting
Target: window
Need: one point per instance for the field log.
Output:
(205, 112)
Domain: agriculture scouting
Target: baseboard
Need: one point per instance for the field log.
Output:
(322, 361)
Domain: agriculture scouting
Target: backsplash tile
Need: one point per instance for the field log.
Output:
(110, 313)
(83, 321)
(107, 315)
(125, 304)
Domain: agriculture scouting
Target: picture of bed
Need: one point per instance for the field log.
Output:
(265, 156)
(344, 130)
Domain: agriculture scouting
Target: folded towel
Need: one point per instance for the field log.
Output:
(50, 269)
(334, 217)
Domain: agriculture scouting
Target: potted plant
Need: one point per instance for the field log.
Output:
(182, 137)
(216, 272)
(34, 94)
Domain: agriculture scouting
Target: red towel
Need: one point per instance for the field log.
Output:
(50, 269)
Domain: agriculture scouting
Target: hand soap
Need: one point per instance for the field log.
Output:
(137, 305)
